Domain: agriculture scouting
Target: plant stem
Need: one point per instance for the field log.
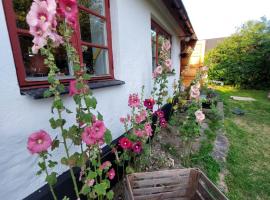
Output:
(68, 156)
(47, 173)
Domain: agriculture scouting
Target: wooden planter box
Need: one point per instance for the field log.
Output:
(176, 184)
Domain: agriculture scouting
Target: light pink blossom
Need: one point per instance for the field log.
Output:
(148, 129)
(90, 182)
(133, 101)
(199, 116)
(123, 120)
(168, 63)
(194, 92)
(39, 142)
(106, 164)
(94, 134)
(139, 133)
(166, 46)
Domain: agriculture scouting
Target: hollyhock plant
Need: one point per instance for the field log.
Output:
(125, 143)
(157, 72)
(199, 116)
(111, 174)
(166, 46)
(148, 129)
(159, 113)
(137, 147)
(69, 10)
(133, 101)
(106, 164)
(163, 123)
(149, 103)
(194, 92)
(139, 133)
(39, 142)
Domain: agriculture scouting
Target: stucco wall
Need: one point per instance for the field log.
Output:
(21, 115)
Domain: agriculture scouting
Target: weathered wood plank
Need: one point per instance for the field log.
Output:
(155, 190)
(165, 173)
(161, 196)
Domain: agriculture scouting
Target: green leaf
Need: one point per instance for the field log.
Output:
(65, 198)
(47, 93)
(110, 195)
(68, 111)
(60, 122)
(55, 144)
(52, 164)
(79, 86)
(53, 123)
(100, 117)
(91, 102)
(51, 179)
(92, 175)
(85, 189)
(86, 76)
(42, 165)
(101, 188)
(108, 137)
(64, 161)
(76, 67)
(39, 172)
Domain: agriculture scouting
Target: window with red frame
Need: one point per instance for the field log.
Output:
(92, 39)
(158, 36)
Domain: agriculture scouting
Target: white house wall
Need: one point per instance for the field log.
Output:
(21, 115)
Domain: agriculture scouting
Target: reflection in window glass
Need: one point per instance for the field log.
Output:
(95, 5)
(96, 61)
(93, 29)
(153, 34)
(34, 64)
(21, 8)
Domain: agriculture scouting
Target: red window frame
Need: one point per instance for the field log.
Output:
(159, 31)
(14, 32)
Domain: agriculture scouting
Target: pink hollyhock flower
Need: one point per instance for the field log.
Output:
(122, 120)
(166, 46)
(199, 116)
(68, 9)
(99, 129)
(194, 92)
(137, 147)
(72, 88)
(159, 113)
(106, 164)
(39, 142)
(163, 123)
(168, 63)
(111, 174)
(158, 71)
(138, 118)
(204, 68)
(125, 143)
(133, 101)
(90, 182)
(143, 114)
(94, 118)
(149, 103)
(41, 13)
(128, 117)
(148, 129)
(139, 133)
(87, 136)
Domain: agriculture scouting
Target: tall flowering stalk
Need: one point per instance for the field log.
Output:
(52, 25)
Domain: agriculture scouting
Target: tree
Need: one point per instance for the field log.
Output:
(243, 59)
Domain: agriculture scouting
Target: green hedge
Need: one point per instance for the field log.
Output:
(243, 59)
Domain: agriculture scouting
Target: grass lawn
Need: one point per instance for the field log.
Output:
(248, 160)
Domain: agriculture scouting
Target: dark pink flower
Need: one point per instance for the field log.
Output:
(149, 103)
(125, 143)
(133, 101)
(69, 10)
(159, 113)
(99, 129)
(106, 164)
(163, 123)
(73, 90)
(39, 142)
(148, 129)
(111, 174)
(137, 147)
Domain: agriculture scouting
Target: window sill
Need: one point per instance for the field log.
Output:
(37, 93)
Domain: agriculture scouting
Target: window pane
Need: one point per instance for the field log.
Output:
(95, 5)
(93, 29)
(34, 64)
(153, 39)
(161, 39)
(96, 61)
(21, 7)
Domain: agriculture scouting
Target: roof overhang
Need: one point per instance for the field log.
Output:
(178, 11)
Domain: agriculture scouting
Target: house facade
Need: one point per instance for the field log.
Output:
(122, 39)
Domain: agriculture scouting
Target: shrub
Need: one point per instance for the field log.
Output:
(244, 58)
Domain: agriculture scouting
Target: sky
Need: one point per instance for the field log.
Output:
(219, 18)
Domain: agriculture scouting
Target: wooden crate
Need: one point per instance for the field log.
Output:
(176, 184)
